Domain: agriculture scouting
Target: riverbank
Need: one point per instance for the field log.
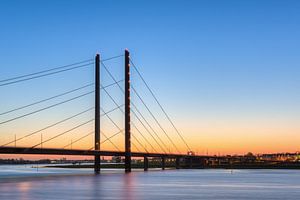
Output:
(141, 166)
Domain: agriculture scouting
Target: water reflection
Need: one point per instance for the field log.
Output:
(24, 186)
(167, 185)
(128, 186)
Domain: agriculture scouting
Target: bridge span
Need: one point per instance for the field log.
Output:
(162, 149)
(80, 152)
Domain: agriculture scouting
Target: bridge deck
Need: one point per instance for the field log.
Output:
(50, 151)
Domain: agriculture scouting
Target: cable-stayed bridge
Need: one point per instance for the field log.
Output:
(145, 137)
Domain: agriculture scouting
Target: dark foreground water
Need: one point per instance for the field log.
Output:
(27, 183)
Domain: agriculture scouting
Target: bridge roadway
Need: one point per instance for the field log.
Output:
(79, 152)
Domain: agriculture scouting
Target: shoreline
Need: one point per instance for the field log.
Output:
(121, 166)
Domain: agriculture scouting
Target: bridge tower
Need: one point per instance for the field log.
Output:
(127, 114)
(97, 113)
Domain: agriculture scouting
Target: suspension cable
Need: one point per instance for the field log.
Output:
(47, 74)
(148, 132)
(155, 133)
(116, 108)
(59, 95)
(110, 74)
(155, 119)
(117, 133)
(47, 99)
(73, 142)
(109, 139)
(56, 123)
(50, 126)
(58, 135)
(55, 68)
(45, 108)
(113, 122)
(44, 71)
(161, 107)
(93, 131)
(131, 122)
(114, 57)
(144, 137)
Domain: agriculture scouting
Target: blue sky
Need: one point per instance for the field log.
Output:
(211, 63)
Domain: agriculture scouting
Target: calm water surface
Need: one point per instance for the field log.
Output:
(24, 182)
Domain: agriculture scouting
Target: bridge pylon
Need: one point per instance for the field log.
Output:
(127, 114)
(97, 113)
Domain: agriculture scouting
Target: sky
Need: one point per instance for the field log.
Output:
(227, 72)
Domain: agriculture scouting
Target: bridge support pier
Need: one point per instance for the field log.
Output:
(146, 163)
(163, 163)
(191, 162)
(177, 163)
(97, 113)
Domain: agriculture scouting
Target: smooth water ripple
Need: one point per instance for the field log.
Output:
(52, 183)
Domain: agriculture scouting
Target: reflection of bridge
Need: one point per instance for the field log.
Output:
(130, 108)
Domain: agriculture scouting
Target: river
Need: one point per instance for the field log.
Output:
(27, 183)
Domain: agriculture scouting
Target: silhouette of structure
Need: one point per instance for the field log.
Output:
(96, 150)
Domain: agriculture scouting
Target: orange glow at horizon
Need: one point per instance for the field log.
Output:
(213, 137)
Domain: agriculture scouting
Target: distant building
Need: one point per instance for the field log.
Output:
(116, 159)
